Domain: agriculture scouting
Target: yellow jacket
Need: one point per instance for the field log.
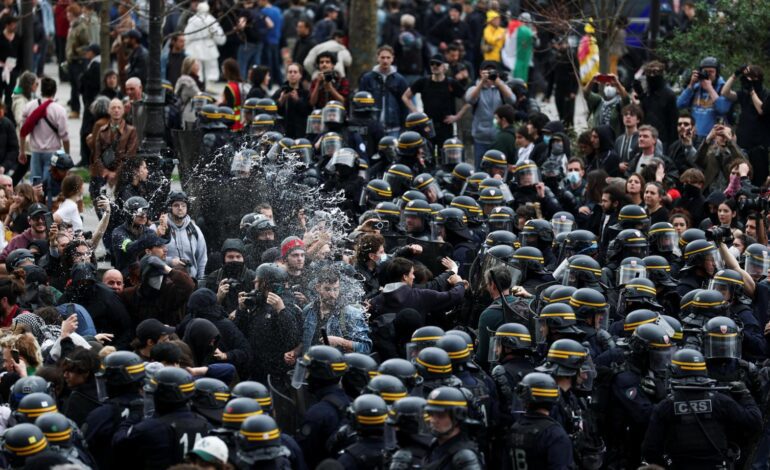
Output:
(493, 41)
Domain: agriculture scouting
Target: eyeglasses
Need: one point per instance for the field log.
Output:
(683, 124)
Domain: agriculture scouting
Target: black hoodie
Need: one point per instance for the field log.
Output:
(203, 338)
(605, 157)
(203, 304)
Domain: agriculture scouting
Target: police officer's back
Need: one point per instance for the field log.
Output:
(165, 438)
(321, 368)
(537, 440)
(368, 414)
(694, 426)
(121, 379)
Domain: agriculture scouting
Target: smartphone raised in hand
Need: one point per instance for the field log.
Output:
(48, 221)
(36, 180)
(15, 355)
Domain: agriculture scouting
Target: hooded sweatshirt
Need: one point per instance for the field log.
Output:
(187, 243)
(203, 304)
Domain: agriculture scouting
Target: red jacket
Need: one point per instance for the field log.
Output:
(61, 24)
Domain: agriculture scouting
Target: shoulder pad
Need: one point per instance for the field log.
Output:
(466, 459)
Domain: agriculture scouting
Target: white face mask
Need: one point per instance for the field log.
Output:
(610, 92)
(735, 252)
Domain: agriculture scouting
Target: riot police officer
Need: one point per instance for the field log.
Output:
(568, 363)
(416, 217)
(234, 414)
(413, 153)
(701, 261)
(538, 233)
(399, 177)
(435, 367)
(663, 240)
(360, 369)
(406, 418)
(402, 369)
(530, 189)
(633, 390)
(322, 368)
(704, 305)
(387, 387)
(364, 123)
(119, 381)
(555, 321)
(384, 157)
(511, 352)
(694, 426)
(64, 439)
(537, 440)
(659, 271)
(590, 308)
(21, 443)
(344, 167)
(259, 445)
(451, 449)
(450, 226)
(732, 286)
(164, 439)
(529, 269)
(210, 398)
(368, 414)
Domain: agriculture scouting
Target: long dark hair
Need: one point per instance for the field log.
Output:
(596, 181)
(128, 171)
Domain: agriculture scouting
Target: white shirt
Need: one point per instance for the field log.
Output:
(68, 211)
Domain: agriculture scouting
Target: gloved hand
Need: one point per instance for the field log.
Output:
(653, 388)
(739, 390)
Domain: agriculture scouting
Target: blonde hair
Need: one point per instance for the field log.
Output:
(27, 346)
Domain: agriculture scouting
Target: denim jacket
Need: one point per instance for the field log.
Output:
(348, 322)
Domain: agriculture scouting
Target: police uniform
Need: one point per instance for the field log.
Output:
(102, 424)
(366, 453)
(158, 442)
(457, 453)
(320, 422)
(539, 441)
(692, 428)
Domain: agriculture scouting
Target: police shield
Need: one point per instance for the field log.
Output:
(188, 145)
(432, 253)
(289, 404)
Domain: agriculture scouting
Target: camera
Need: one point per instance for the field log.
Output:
(233, 283)
(719, 234)
(253, 299)
(492, 75)
(328, 76)
(756, 204)
(286, 89)
(703, 75)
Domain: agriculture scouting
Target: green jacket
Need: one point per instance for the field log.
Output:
(489, 320)
(505, 141)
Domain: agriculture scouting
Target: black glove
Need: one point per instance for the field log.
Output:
(739, 390)
(653, 388)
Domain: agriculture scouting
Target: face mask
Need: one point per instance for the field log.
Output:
(383, 257)
(573, 177)
(557, 148)
(496, 123)
(610, 92)
(546, 138)
(735, 252)
(232, 269)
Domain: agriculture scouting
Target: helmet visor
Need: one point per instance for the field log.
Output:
(330, 145)
(413, 348)
(528, 176)
(432, 192)
(299, 378)
(561, 225)
(411, 223)
(333, 114)
(660, 359)
(757, 265)
(720, 287)
(396, 181)
(452, 154)
(628, 273)
(499, 223)
(713, 258)
(722, 345)
(666, 242)
(314, 125)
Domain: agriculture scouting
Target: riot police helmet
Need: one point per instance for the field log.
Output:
(237, 410)
(320, 363)
(256, 391)
(433, 363)
(403, 370)
(538, 390)
(722, 339)
(390, 388)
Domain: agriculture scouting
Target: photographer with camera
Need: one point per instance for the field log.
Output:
(716, 155)
(271, 322)
(701, 96)
(753, 129)
(233, 277)
(328, 85)
(293, 102)
(489, 93)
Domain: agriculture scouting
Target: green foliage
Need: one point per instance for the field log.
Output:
(734, 31)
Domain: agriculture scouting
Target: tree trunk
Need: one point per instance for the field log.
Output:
(105, 42)
(27, 36)
(362, 38)
(604, 54)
